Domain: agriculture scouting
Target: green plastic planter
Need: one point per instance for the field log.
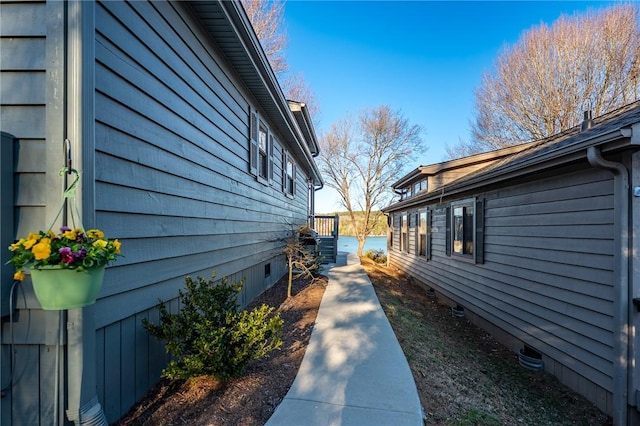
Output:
(57, 289)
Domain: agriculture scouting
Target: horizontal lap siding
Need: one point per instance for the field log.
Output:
(547, 276)
(173, 184)
(31, 110)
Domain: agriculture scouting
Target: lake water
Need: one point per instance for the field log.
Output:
(350, 244)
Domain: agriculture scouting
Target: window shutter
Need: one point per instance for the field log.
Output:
(447, 244)
(253, 144)
(429, 214)
(479, 237)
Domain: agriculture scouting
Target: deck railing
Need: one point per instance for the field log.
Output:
(327, 229)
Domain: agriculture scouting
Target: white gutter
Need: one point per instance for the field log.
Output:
(621, 282)
(254, 49)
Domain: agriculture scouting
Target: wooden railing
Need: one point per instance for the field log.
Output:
(325, 226)
(327, 229)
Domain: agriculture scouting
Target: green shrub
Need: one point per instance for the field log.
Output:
(377, 256)
(210, 336)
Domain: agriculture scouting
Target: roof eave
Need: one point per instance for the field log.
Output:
(608, 142)
(433, 169)
(259, 77)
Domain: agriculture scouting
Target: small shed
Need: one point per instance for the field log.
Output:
(190, 155)
(538, 245)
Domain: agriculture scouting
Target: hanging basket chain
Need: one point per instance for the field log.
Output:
(69, 194)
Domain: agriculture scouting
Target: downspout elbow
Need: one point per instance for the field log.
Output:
(594, 156)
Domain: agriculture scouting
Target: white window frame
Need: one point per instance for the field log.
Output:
(260, 149)
(288, 174)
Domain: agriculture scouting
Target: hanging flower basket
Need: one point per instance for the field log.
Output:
(67, 268)
(57, 288)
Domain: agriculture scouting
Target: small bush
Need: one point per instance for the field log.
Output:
(377, 256)
(209, 336)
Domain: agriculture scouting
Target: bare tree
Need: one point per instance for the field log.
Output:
(543, 84)
(464, 148)
(297, 89)
(267, 19)
(362, 159)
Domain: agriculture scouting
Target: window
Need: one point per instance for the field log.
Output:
(404, 240)
(465, 229)
(422, 233)
(413, 189)
(288, 174)
(462, 221)
(419, 186)
(263, 158)
(260, 149)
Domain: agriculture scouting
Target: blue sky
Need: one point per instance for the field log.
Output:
(424, 58)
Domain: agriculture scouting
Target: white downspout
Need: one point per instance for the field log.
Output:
(621, 282)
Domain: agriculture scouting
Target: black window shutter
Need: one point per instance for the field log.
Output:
(447, 231)
(479, 249)
(253, 144)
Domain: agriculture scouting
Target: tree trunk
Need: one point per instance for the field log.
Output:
(290, 277)
(360, 245)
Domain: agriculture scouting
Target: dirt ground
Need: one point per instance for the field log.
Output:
(463, 376)
(252, 398)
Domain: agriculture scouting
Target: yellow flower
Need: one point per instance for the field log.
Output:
(100, 243)
(51, 234)
(16, 246)
(71, 235)
(116, 246)
(95, 234)
(31, 240)
(18, 276)
(42, 250)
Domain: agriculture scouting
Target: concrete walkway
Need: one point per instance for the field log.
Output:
(354, 372)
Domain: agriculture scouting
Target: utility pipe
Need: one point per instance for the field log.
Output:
(621, 279)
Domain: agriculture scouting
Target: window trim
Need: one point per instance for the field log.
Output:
(463, 240)
(288, 180)
(404, 232)
(263, 154)
(262, 172)
(477, 230)
(423, 216)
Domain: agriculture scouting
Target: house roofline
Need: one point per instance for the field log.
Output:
(433, 169)
(301, 113)
(555, 151)
(250, 62)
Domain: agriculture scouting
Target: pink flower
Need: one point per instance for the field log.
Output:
(67, 255)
